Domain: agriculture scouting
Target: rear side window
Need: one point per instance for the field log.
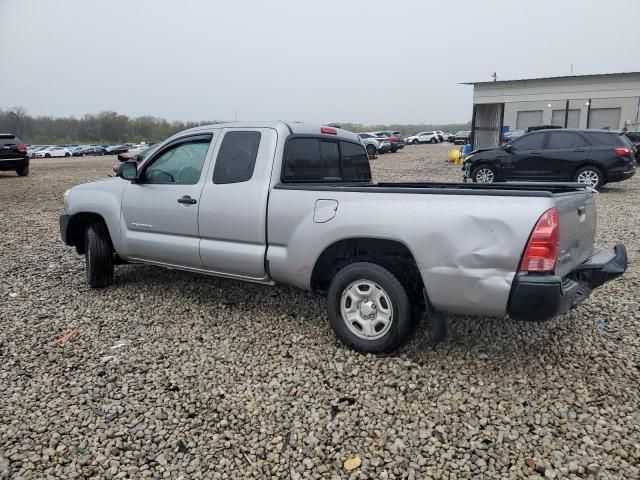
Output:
(603, 138)
(559, 140)
(318, 160)
(236, 158)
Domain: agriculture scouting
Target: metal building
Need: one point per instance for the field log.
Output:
(610, 101)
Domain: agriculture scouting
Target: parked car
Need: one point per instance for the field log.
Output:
(33, 149)
(117, 149)
(375, 144)
(13, 155)
(512, 135)
(298, 204)
(462, 137)
(448, 137)
(422, 137)
(97, 150)
(78, 151)
(593, 157)
(55, 151)
(395, 141)
(400, 138)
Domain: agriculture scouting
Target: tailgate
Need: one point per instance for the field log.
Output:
(577, 212)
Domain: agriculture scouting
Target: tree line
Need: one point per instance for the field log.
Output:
(113, 128)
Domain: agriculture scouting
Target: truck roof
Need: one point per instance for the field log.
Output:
(294, 128)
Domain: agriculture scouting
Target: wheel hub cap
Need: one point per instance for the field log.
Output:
(366, 309)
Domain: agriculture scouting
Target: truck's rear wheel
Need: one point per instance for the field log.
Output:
(98, 256)
(369, 308)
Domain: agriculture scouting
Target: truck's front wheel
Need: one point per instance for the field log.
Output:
(98, 256)
(369, 308)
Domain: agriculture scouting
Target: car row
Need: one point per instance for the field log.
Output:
(52, 151)
(382, 141)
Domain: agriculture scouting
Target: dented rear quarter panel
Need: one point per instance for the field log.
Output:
(467, 247)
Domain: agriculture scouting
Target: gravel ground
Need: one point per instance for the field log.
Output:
(174, 375)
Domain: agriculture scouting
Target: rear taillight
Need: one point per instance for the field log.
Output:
(22, 148)
(541, 253)
(622, 151)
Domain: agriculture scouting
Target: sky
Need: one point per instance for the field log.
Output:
(367, 62)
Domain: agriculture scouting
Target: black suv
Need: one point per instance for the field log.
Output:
(594, 157)
(13, 154)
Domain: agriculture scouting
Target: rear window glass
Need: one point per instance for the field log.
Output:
(355, 162)
(237, 157)
(317, 160)
(307, 160)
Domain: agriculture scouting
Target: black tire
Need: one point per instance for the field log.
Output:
(415, 142)
(371, 150)
(67, 155)
(433, 140)
(98, 256)
(592, 172)
(46, 155)
(480, 174)
(402, 320)
(23, 171)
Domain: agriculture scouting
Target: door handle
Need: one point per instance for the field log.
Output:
(187, 200)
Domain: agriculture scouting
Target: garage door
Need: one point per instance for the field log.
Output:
(608, 118)
(530, 118)
(557, 118)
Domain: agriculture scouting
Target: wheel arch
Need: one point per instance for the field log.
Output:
(77, 226)
(591, 163)
(389, 253)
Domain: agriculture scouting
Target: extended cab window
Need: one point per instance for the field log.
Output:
(179, 164)
(236, 157)
(318, 160)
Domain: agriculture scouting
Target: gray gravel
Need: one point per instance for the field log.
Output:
(174, 375)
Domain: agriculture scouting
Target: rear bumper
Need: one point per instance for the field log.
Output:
(620, 176)
(537, 298)
(13, 163)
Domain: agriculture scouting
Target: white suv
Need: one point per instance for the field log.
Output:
(422, 137)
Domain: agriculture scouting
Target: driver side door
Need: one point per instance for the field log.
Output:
(160, 209)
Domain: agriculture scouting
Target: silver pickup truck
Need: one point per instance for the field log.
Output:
(295, 204)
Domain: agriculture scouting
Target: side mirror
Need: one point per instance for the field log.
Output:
(128, 170)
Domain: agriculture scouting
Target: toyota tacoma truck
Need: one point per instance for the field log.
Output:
(295, 204)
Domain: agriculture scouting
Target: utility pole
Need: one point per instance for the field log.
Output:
(494, 75)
